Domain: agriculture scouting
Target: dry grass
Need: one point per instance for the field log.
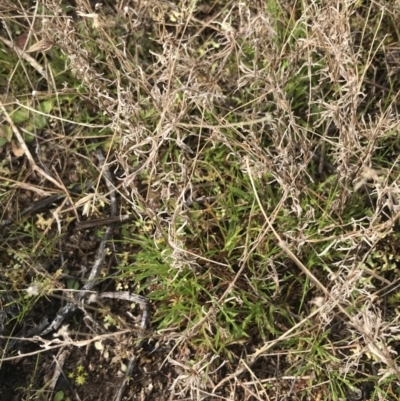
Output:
(255, 147)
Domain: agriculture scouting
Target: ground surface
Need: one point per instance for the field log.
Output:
(199, 200)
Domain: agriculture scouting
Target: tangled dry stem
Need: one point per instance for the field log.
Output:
(190, 84)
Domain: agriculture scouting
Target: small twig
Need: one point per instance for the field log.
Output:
(127, 296)
(267, 118)
(109, 182)
(70, 308)
(47, 345)
(144, 302)
(60, 361)
(89, 317)
(83, 225)
(101, 252)
(98, 264)
(36, 207)
(63, 313)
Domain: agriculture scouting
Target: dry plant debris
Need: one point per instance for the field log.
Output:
(199, 200)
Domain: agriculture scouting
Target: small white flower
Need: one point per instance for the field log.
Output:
(318, 301)
(33, 290)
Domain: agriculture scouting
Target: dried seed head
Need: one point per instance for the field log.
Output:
(41, 46)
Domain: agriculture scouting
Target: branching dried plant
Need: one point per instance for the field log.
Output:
(255, 145)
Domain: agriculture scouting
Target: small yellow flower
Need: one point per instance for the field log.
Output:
(80, 368)
(81, 379)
